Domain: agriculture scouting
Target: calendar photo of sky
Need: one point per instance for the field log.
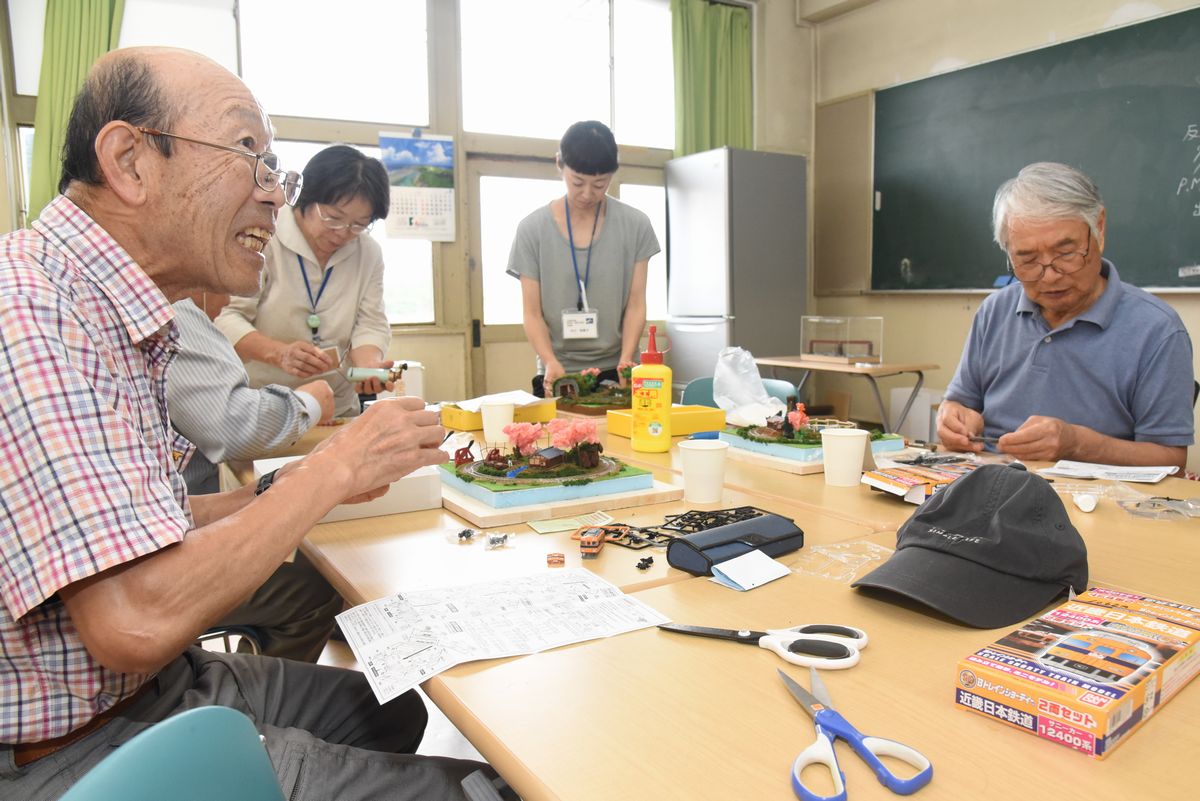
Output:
(424, 161)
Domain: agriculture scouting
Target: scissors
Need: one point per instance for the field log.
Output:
(822, 645)
(830, 726)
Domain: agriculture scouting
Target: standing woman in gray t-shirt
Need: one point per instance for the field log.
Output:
(582, 263)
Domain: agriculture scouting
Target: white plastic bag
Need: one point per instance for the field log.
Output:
(739, 390)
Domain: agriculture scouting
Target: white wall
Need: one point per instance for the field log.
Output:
(894, 41)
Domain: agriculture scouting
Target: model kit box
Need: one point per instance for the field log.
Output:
(1088, 673)
(685, 420)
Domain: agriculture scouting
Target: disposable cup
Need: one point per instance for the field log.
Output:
(703, 469)
(842, 450)
(495, 417)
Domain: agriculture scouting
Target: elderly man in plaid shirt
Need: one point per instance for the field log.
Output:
(109, 570)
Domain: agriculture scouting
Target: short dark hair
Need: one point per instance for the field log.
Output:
(589, 147)
(341, 172)
(125, 90)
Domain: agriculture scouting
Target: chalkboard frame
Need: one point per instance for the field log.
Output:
(1118, 104)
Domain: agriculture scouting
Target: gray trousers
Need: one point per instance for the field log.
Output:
(293, 611)
(327, 736)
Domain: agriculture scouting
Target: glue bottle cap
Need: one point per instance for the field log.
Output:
(652, 355)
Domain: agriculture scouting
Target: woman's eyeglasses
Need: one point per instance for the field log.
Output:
(267, 174)
(334, 224)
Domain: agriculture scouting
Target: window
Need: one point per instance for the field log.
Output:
(25, 138)
(644, 76)
(206, 26)
(504, 202)
(538, 91)
(349, 60)
(407, 263)
(653, 201)
(27, 20)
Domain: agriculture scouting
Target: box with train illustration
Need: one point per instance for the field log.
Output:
(1088, 673)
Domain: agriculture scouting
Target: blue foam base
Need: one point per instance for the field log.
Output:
(551, 494)
(798, 453)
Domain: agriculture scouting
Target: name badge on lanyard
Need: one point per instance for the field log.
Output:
(580, 322)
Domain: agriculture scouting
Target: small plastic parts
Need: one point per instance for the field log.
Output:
(555, 559)
(645, 562)
(467, 534)
(1084, 501)
(497, 540)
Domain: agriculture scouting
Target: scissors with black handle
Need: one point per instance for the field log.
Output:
(824, 645)
(830, 726)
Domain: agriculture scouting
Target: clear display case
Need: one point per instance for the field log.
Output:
(847, 340)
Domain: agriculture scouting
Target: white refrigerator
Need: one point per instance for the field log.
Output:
(737, 248)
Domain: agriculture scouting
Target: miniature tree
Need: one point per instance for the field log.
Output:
(625, 373)
(524, 437)
(588, 379)
(578, 438)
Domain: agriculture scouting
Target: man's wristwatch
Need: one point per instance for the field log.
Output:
(265, 482)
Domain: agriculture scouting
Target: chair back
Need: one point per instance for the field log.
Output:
(197, 755)
(778, 388)
(699, 392)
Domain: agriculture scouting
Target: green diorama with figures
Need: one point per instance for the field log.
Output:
(584, 393)
(573, 458)
(797, 436)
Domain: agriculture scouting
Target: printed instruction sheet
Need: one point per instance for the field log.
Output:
(402, 640)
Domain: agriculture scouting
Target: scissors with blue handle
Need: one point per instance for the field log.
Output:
(823, 645)
(830, 726)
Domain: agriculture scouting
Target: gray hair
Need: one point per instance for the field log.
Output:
(1046, 190)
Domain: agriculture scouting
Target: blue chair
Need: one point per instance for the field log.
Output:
(197, 755)
(699, 392)
(778, 388)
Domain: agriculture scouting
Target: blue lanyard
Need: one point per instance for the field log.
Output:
(313, 301)
(571, 240)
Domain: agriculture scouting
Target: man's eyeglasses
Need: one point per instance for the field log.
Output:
(267, 174)
(334, 224)
(1031, 270)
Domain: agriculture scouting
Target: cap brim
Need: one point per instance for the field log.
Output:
(964, 590)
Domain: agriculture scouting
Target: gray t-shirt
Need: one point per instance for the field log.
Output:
(541, 252)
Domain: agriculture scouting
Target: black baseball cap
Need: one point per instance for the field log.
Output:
(990, 550)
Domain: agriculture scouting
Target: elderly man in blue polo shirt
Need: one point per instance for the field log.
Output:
(1069, 363)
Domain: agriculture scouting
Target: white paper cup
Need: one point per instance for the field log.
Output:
(703, 469)
(495, 417)
(842, 450)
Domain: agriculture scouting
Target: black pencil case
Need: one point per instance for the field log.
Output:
(697, 553)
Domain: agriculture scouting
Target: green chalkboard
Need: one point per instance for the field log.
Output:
(1123, 106)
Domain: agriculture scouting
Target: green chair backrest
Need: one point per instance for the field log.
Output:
(198, 755)
(699, 392)
(778, 388)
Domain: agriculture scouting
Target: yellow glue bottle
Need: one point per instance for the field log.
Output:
(651, 401)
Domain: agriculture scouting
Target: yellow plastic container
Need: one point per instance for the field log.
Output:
(462, 420)
(684, 420)
(651, 406)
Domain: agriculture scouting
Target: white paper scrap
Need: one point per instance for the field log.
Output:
(750, 570)
(516, 397)
(402, 640)
(1144, 475)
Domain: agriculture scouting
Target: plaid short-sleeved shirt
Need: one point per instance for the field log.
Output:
(88, 461)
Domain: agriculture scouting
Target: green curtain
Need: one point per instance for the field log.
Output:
(77, 33)
(713, 90)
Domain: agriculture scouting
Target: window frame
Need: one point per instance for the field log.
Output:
(457, 290)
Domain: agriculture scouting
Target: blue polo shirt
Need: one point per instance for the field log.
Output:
(1122, 368)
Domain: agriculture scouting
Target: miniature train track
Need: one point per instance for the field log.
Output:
(607, 467)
